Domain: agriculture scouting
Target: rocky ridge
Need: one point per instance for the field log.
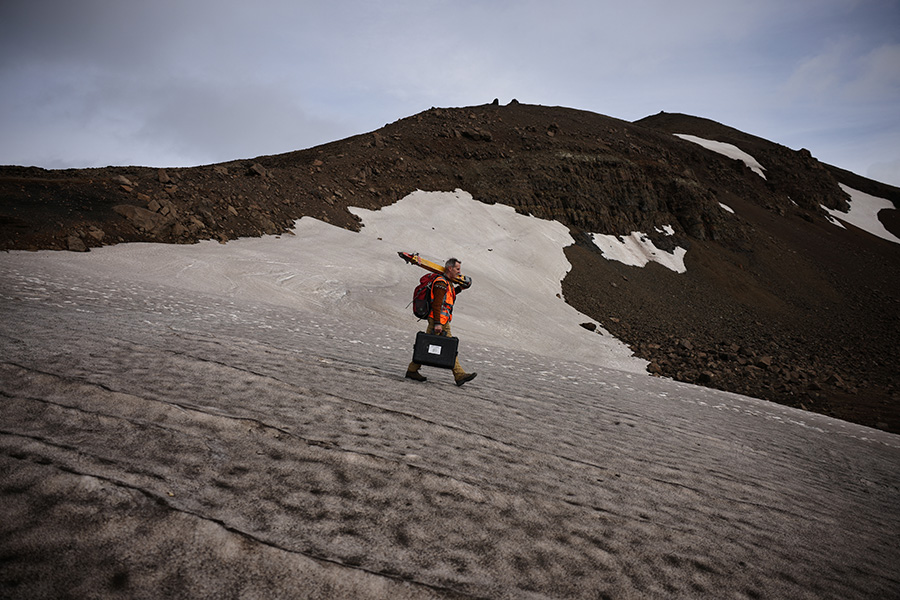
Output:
(776, 303)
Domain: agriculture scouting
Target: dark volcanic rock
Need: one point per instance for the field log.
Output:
(776, 302)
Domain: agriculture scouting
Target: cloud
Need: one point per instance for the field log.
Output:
(194, 80)
(226, 120)
(878, 74)
(818, 75)
(850, 71)
(92, 117)
(887, 172)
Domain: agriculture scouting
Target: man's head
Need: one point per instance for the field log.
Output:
(453, 268)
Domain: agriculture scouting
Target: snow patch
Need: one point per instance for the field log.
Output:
(831, 219)
(864, 209)
(729, 150)
(726, 207)
(666, 229)
(637, 250)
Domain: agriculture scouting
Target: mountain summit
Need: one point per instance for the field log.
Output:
(768, 294)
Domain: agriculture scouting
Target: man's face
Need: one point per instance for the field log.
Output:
(455, 270)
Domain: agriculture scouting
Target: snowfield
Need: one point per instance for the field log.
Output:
(516, 262)
(212, 420)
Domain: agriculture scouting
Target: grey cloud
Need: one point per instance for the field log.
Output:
(229, 121)
(888, 172)
(205, 80)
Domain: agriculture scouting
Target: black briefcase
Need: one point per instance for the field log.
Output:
(435, 350)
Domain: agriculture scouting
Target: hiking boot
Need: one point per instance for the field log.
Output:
(465, 378)
(416, 376)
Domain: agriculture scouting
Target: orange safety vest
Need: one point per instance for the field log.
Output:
(449, 298)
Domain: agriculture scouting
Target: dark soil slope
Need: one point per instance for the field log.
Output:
(776, 303)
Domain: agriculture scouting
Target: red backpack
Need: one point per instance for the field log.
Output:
(423, 295)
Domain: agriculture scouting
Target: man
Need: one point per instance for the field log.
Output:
(444, 296)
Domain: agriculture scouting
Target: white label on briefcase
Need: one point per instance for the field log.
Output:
(432, 349)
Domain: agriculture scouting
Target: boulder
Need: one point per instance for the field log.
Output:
(142, 218)
(764, 362)
(76, 244)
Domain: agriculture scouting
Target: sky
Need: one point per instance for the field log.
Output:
(188, 82)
